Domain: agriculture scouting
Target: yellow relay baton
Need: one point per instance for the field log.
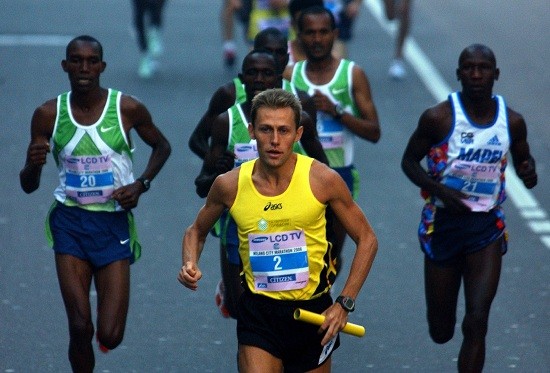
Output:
(317, 319)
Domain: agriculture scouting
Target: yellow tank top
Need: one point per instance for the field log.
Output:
(282, 239)
(262, 16)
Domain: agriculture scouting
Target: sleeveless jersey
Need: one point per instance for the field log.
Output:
(283, 245)
(240, 92)
(472, 158)
(337, 140)
(262, 17)
(239, 141)
(92, 160)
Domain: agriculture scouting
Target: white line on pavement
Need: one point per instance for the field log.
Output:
(7, 40)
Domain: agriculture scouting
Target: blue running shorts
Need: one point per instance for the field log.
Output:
(445, 237)
(98, 237)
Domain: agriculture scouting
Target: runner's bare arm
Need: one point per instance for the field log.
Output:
(42, 125)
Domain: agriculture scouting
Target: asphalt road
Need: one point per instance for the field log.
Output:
(171, 329)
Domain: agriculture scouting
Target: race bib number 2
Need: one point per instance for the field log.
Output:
(279, 260)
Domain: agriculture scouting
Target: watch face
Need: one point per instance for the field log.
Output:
(145, 182)
(347, 303)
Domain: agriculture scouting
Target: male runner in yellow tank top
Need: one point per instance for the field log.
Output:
(278, 202)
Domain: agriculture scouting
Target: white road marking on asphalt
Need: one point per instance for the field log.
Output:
(7, 40)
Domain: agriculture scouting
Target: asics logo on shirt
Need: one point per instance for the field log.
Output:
(273, 206)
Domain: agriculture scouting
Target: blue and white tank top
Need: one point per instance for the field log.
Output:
(472, 158)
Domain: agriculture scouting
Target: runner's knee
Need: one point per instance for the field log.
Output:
(441, 331)
(441, 336)
(110, 338)
(81, 330)
(474, 325)
(111, 334)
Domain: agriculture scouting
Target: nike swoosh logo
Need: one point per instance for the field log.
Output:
(124, 242)
(106, 129)
(338, 91)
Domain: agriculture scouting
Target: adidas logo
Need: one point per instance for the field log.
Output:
(494, 141)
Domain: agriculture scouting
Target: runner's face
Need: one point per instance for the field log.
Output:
(316, 36)
(279, 49)
(275, 132)
(259, 73)
(83, 65)
(477, 73)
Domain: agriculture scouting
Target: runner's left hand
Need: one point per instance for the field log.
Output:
(335, 320)
(128, 195)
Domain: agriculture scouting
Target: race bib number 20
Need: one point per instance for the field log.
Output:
(89, 179)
